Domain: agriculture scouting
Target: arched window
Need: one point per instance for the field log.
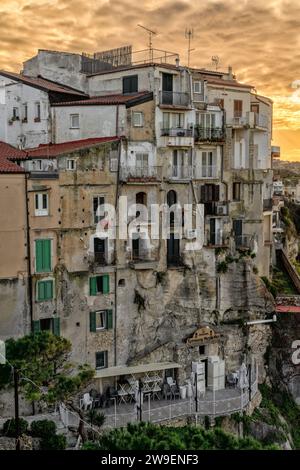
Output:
(141, 198)
(171, 198)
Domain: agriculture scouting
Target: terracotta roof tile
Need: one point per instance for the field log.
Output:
(108, 99)
(53, 150)
(8, 153)
(228, 83)
(42, 83)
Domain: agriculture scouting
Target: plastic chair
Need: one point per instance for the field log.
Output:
(86, 401)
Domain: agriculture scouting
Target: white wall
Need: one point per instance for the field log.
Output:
(229, 96)
(94, 121)
(16, 94)
(110, 83)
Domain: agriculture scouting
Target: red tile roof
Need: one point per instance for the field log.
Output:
(287, 309)
(228, 83)
(109, 99)
(7, 152)
(53, 150)
(42, 83)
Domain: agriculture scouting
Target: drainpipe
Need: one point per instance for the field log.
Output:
(260, 322)
(28, 242)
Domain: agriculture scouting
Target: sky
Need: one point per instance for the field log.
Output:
(260, 39)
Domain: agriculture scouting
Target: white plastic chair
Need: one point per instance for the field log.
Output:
(87, 401)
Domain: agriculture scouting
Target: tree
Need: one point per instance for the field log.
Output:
(46, 373)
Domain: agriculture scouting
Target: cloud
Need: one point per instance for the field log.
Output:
(259, 38)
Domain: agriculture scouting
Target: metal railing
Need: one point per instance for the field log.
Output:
(174, 260)
(260, 120)
(138, 254)
(212, 134)
(181, 172)
(174, 98)
(177, 132)
(100, 258)
(207, 171)
(244, 242)
(137, 172)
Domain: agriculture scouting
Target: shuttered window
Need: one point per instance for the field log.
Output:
(210, 193)
(44, 290)
(238, 108)
(130, 84)
(99, 285)
(101, 320)
(43, 256)
(47, 324)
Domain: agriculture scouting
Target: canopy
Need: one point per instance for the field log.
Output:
(139, 369)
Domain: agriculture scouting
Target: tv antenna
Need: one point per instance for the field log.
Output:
(215, 61)
(150, 44)
(189, 35)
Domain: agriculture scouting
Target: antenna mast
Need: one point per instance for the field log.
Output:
(215, 61)
(189, 35)
(150, 44)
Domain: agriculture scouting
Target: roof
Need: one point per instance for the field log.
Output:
(110, 100)
(53, 150)
(228, 83)
(138, 66)
(42, 83)
(287, 308)
(7, 152)
(138, 369)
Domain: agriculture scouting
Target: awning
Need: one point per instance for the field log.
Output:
(287, 309)
(139, 369)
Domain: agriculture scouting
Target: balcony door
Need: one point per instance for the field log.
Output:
(99, 250)
(207, 124)
(208, 164)
(142, 168)
(215, 232)
(182, 164)
(167, 88)
(237, 227)
(173, 250)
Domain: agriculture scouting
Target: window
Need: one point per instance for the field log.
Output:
(101, 320)
(25, 112)
(197, 87)
(71, 164)
(99, 214)
(238, 108)
(210, 193)
(15, 115)
(44, 290)
(99, 285)
(255, 108)
(141, 164)
(138, 119)
(74, 121)
(201, 350)
(37, 112)
(173, 120)
(208, 165)
(36, 165)
(121, 283)
(101, 360)
(43, 256)
(130, 84)
(41, 204)
(47, 324)
(206, 120)
(236, 191)
(220, 102)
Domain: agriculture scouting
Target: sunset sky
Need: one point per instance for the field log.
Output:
(259, 38)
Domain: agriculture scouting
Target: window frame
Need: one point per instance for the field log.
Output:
(16, 113)
(37, 111)
(105, 359)
(42, 262)
(72, 116)
(74, 162)
(97, 218)
(41, 211)
(37, 287)
(141, 121)
(236, 193)
(200, 87)
(127, 90)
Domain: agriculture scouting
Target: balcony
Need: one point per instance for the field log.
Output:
(217, 239)
(147, 174)
(206, 171)
(174, 261)
(244, 242)
(219, 208)
(178, 137)
(100, 259)
(172, 98)
(238, 122)
(181, 172)
(209, 134)
(140, 258)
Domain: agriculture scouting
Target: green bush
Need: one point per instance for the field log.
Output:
(222, 267)
(269, 286)
(9, 427)
(43, 428)
(54, 442)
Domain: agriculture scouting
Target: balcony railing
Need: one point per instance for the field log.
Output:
(260, 120)
(217, 238)
(207, 171)
(215, 208)
(100, 258)
(138, 254)
(244, 242)
(181, 172)
(209, 134)
(135, 173)
(174, 260)
(173, 98)
(177, 132)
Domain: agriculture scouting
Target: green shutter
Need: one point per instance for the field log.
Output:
(105, 281)
(109, 319)
(48, 290)
(44, 290)
(41, 290)
(93, 286)
(36, 327)
(93, 321)
(56, 326)
(43, 255)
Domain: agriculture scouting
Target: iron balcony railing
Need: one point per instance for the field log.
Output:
(100, 258)
(138, 254)
(244, 242)
(140, 172)
(207, 171)
(212, 134)
(217, 238)
(173, 98)
(181, 172)
(177, 132)
(260, 120)
(174, 260)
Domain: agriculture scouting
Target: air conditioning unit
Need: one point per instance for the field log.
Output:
(222, 210)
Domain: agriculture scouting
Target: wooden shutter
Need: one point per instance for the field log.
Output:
(216, 193)
(39, 255)
(109, 319)
(93, 322)
(43, 255)
(93, 286)
(48, 290)
(41, 290)
(105, 284)
(56, 326)
(36, 327)
(202, 195)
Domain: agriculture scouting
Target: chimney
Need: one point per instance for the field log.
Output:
(177, 61)
(230, 76)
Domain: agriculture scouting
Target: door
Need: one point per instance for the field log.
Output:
(173, 250)
(238, 231)
(167, 88)
(136, 248)
(99, 250)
